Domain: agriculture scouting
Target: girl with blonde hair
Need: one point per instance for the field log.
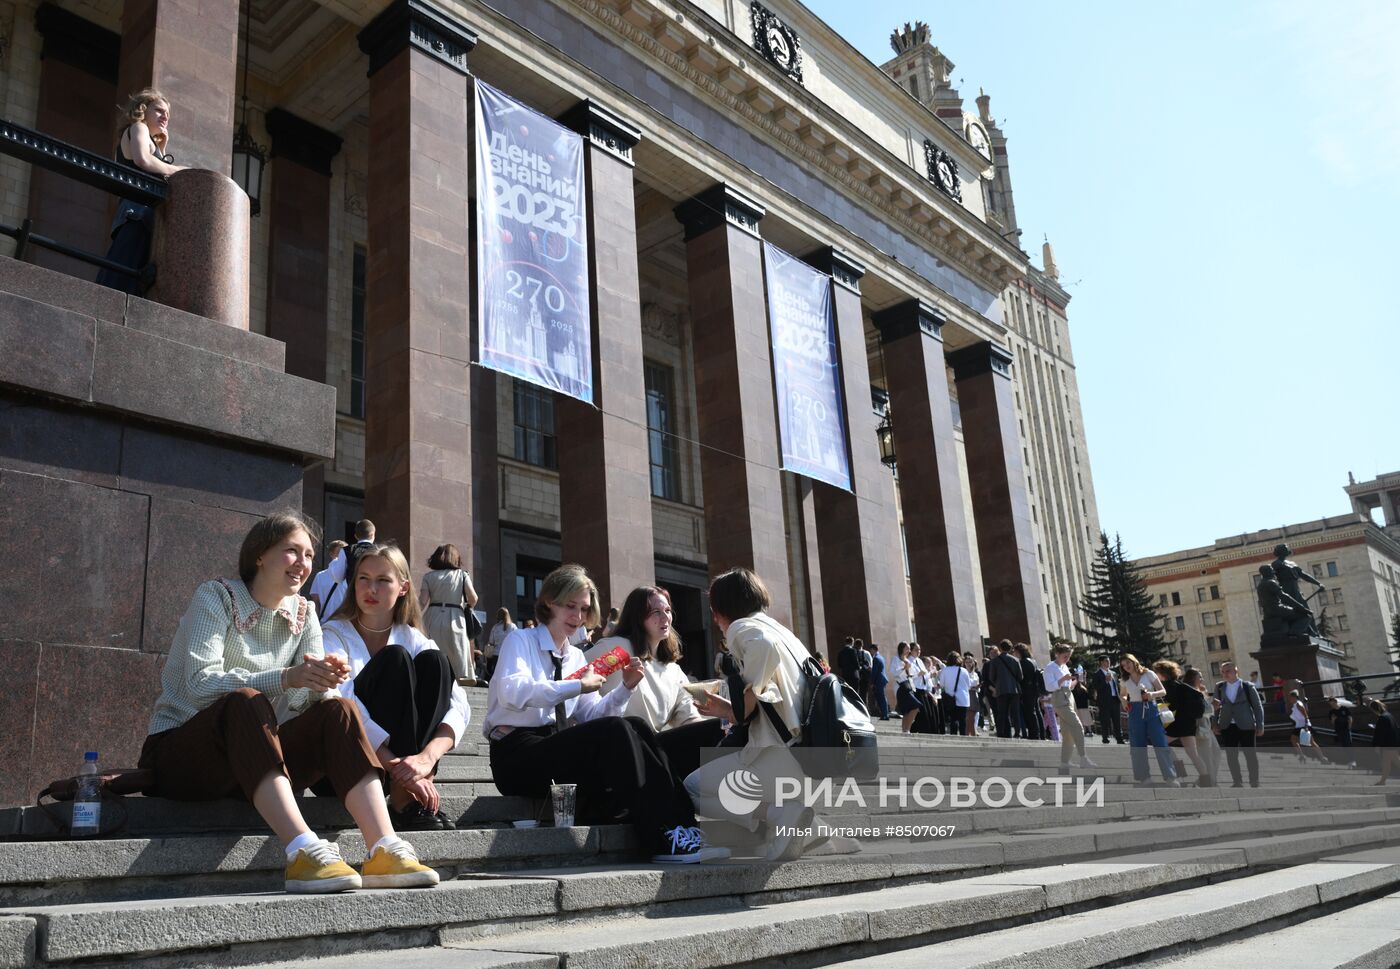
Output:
(547, 725)
(411, 706)
(1143, 690)
(143, 136)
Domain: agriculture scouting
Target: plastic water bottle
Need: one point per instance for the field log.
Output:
(87, 802)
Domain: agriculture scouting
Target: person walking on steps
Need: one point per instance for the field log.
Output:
(1239, 723)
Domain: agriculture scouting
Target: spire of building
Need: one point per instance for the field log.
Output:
(1048, 257)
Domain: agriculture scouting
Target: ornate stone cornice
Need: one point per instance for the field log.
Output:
(809, 131)
(420, 24)
(300, 141)
(603, 128)
(980, 358)
(911, 316)
(845, 269)
(78, 43)
(716, 206)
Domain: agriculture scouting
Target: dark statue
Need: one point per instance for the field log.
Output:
(1284, 614)
(1289, 574)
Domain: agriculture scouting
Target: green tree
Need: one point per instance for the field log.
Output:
(1123, 615)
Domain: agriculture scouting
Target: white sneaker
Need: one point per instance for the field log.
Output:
(688, 847)
(1084, 761)
(1173, 782)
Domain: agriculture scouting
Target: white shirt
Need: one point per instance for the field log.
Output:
(956, 683)
(523, 692)
(1052, 673)
(1232, 690)
(498, 635)
(660, 699)
(1148, 682)
(769, 657)
(920, 675)
(903, 671)
(330, 580)
(579, 637)
(1298, 716)
(341, 636)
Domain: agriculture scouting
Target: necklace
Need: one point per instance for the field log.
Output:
(370, 629)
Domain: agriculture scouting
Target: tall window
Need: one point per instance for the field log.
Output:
(534, 426)
(661, 431)
(357, 334)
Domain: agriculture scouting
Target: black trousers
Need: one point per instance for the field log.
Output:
(1233, 738)
(954, 716)
(617, 762)
(1032, 716)
(406, 695)
(1110, 719)
(1009, 722)
(683, 744)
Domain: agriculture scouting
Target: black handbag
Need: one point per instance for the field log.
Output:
(474, 626)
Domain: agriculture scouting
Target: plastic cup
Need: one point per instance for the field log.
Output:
(564, 797)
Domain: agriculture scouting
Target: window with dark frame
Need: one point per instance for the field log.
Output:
(534, 426)
(662, 452)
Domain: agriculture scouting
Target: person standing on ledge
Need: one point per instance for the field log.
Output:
(143, 141)
(243, 709)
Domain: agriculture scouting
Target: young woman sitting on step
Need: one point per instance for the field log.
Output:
(402, 683)
(644, 630)
(248, 707)
(545, 727)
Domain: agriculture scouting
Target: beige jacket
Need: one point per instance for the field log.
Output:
(769, 656)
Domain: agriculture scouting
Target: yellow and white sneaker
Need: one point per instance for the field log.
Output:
(396, 866)
(318, 868)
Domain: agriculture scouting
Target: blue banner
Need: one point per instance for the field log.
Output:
(532, 247)
(806, 369)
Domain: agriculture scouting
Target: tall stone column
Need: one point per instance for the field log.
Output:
(734, 389)
(298, 264)
(77, 88)
(418, 481)
(935, 529)
(605, 510)
(188, 49)
(858, 530)
(1000, 507)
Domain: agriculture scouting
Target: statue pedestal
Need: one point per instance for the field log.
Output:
(1298, 659)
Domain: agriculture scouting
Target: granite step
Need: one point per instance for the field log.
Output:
(1163, 923)
(1362, 937)
(696, 916)
(969, 913)
(63, 872)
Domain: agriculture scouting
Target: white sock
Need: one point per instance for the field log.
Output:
(303, 840)
(389, 842)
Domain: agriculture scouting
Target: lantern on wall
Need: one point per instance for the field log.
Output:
(248, 156)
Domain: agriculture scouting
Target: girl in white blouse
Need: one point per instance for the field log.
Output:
(403, 684)
(906, 703)
(546, 727)
(644, 630)
(1143, 690)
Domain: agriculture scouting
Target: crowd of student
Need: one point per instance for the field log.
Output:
(356, 693)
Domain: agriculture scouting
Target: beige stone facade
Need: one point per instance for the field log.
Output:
(1207, 594)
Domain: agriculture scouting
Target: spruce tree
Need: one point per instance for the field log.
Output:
(1123, 615)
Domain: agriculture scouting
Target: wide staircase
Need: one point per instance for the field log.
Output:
(1302, 871)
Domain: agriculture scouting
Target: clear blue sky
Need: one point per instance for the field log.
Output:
(1221, 183)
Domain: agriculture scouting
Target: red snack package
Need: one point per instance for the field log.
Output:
(610, 662)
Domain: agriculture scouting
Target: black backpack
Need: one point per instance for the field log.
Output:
(838, 736)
